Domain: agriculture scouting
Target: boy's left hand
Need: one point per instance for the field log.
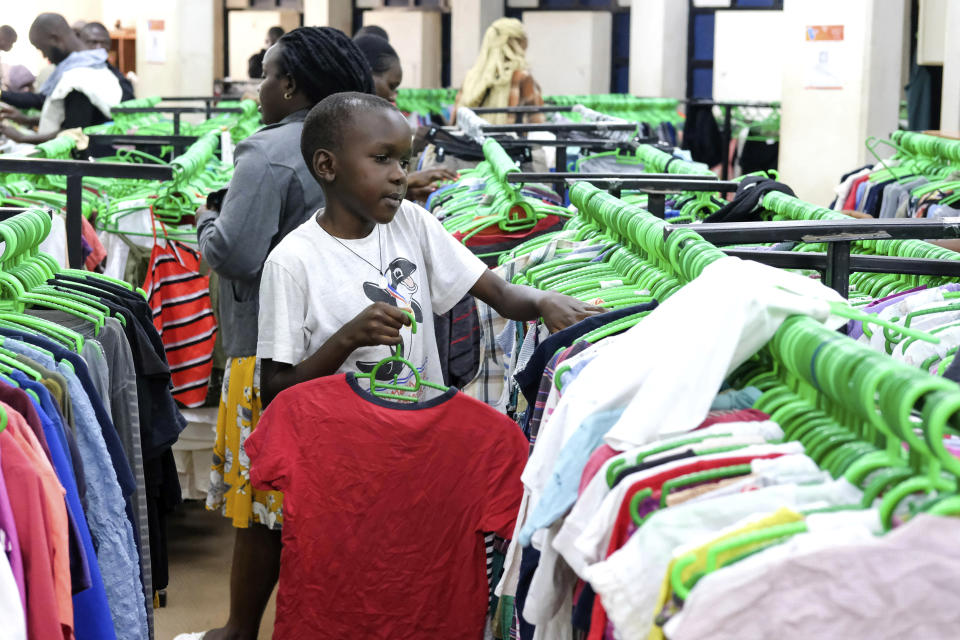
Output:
(559, 311)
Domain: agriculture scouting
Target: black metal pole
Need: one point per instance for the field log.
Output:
(74, 223)
(657, 204)
(838, 267)
(725, 142)
(176, 123)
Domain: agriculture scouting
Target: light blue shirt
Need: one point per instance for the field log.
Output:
(561, 490)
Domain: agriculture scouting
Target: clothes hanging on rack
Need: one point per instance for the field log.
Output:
(458, 457)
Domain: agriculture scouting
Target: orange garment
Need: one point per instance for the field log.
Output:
(55, 516)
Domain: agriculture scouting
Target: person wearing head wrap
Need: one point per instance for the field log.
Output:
(500, 76)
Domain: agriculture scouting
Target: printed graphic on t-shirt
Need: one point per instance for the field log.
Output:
(396, 287)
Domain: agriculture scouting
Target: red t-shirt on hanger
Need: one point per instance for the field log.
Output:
(384, 508)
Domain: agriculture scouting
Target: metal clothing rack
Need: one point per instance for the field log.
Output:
(177, 112)
(500, 132)
(726, 132)
(837, 263)
(75, 171)
(178, 142)
(655, 185)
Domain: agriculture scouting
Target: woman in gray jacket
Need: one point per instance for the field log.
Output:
(271, 193)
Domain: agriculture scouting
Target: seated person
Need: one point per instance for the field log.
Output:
(79, 93)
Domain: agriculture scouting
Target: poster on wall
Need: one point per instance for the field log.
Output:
(825, 57)
(156, 42)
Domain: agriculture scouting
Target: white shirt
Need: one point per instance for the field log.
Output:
(837, 581)
(14, 625)
(313, 284)
(646, 373)
(629, 580)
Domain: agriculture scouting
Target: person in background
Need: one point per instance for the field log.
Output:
(8, 36)
(371, 30)
(387, 76)
(500, 76)
(271, 193)
(255, 63)
(80, 92)
(95, 36)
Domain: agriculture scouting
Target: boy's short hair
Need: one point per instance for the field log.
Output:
(327, 121)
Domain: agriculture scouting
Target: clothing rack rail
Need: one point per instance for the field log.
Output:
(655, 185)
(178, 142)
(75, 171)
(473, 126)
(726, 131)
(837, 263)
(176, 112)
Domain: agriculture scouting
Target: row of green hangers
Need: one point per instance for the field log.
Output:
(621, 105)
(470, 210)
(919, 155)
(785, 207)
(25, 273)
(426, 101)
(882, 454)
(843, 381)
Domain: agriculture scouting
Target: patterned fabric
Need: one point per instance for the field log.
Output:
(179, 298)
(230, 489)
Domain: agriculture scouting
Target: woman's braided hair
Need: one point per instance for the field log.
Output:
(323, 61)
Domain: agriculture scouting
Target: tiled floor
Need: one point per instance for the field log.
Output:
(200, 549)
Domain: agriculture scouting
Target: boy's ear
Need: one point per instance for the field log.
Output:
(324, 165)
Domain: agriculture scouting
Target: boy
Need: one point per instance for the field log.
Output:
(336, 292)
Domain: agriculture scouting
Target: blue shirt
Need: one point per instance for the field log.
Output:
(561, 491)
(106, 516)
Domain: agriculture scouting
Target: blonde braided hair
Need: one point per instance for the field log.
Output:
(501, 54)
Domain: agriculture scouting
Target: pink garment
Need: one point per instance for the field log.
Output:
(597, 459)
(98, 253)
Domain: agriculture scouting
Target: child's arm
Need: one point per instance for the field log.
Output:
(526, 303)
(378, 324)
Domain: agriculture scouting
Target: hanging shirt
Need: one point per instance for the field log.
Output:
(27, 500)
(384, 507)
(313, 284)
(179, 298)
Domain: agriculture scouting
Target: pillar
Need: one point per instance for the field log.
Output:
(415, 35)
(658, 48)
(569, 51)
(183, 58)
(950, 102)
(469, 20)
(328, 13)
(837, 92)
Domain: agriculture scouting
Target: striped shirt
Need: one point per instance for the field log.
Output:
(179, 298)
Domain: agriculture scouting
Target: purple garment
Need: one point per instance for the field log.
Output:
(9, 528)
(855, 327)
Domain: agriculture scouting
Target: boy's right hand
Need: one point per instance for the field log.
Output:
(378, 324)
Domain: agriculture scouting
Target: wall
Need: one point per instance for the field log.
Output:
(469, 20)
(950, 104)
(188, 68)
(415, 35)
(658, 48)
(248, 34)
(569, 51)
(328, 13)
(739, 72)
(823, 130)
(20, 15)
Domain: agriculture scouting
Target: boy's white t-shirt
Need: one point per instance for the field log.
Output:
(313, 284)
